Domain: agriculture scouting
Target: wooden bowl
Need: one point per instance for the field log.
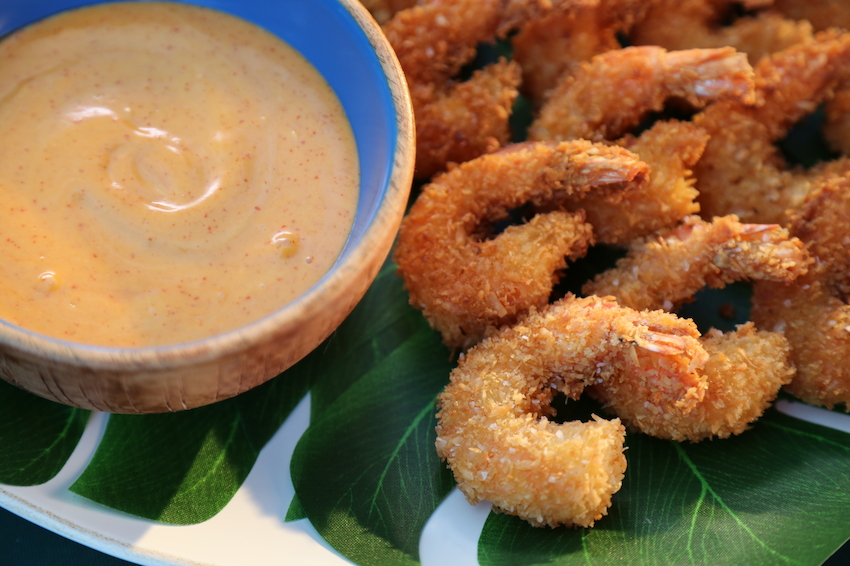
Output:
(342, 40)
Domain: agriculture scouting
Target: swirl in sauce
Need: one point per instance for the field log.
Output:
(167, 173)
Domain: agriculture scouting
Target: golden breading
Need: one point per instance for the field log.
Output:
(665, 270)
(609, 95)
(743, 374)
(812, 312)
(742, 171)
(467, 285)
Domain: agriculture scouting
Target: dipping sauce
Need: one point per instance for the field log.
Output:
(167, 173)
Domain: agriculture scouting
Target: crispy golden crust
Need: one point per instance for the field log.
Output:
(551, 47)
(494, 431)
(461, 121)
(433, 41)
(743, 374)
(667, 269)
(742, 172)
(609, 95)
(690, 24)
(465, 284)
(812, 311)
(670, 149)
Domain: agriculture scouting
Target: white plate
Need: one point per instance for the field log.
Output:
(250, 530)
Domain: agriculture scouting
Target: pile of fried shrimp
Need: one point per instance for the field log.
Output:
(655, 129)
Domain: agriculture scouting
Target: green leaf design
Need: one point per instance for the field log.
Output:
(183, 468)
(366, 473)
(777, 494)
(37, 436)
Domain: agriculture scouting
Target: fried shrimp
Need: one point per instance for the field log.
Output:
(494, 417)
(742, 171)
(671, 149)
(743, 372)
(690, 24)
(813, 312)
(610, 95)
(552, 47)
(457, 121)
(667, 269)
(467, 285)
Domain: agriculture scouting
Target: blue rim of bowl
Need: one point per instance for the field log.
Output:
(375, 133)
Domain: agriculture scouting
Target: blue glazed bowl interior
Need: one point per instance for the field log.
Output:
(328, 36)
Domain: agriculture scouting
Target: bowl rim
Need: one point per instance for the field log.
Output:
(382, 228)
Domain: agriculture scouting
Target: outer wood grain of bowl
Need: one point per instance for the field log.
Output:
(152, 380)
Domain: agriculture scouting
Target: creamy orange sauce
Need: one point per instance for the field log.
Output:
(167, 173)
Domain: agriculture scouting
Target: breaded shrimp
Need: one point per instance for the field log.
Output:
(467, 285)
(590, 104)
(742, 172)
(433, 41)
(466, 119)
(494, 429)
(813, 311)
(671, 149)
(690, 24)
(743, 373)
(667, 269)
(551, 47)
(613, 92)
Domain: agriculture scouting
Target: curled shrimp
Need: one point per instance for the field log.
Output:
(551, 47)
(823, 15)
(742, 172)
(743, 372)
(467, 285)
(494, 428)
(591, 104)
(667, 269)
(670, 148)
(812, 311)
(610, 95)
(458, 121)
(689, 24)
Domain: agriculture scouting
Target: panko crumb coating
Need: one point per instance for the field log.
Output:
(468, 285)
(665, 270)
(812, 311)
(744, 372)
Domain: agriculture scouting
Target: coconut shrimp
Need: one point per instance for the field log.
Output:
(742, 172)
(813, 312)
(667, 269)
(743, 372)
(552, 47)
(494, 428)
(671, 149)
(467, 285)
(457, 121)
(689, 24)
(613, 92)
